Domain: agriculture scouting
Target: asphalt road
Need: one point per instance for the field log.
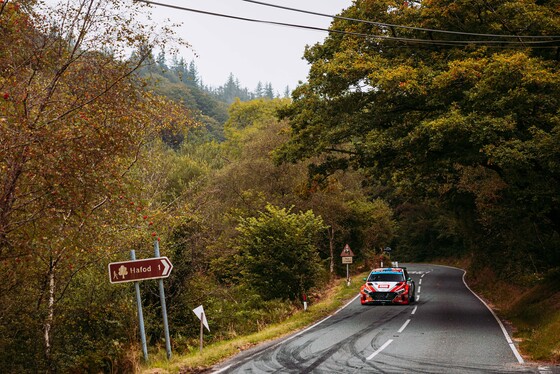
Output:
(448, 330)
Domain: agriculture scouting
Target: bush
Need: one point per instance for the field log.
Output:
(277, 253)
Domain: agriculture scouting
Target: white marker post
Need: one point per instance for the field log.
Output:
(199, 311)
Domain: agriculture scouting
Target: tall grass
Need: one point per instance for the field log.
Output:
(331, 299)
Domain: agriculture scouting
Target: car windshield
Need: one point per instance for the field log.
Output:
(381, 277)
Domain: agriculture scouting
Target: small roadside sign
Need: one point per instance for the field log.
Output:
(347, 252)
(199, 311)
(347, 255)
(137, 270)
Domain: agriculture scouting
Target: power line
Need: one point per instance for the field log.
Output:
(389, 25)
(433, 42)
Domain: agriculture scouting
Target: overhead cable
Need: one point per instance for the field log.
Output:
(382, 24)
(492, 43)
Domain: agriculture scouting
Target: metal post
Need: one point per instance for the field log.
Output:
(163, 306)
(347, 276)
(201, 330)
(140, 315)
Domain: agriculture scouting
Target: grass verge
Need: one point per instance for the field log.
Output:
(536, 315)
(532, 307)
(212, 354)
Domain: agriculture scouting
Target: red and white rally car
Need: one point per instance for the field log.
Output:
(388, 286)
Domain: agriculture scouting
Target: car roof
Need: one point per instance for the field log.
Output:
(388, 271)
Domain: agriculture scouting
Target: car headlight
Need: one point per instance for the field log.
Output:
(400, 289)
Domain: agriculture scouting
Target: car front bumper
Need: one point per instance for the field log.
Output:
(384, 298)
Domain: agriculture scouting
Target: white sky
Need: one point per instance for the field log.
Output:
(253, 52)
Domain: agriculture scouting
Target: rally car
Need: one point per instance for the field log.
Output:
(388, 286)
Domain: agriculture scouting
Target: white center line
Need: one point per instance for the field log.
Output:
(414, 310)
(420, 281)
(404, 326)
(380, 349)
(419, 288)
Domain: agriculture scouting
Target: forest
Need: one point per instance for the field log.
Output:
(439, 145)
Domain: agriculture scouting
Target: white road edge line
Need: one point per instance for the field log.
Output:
(414, 310)
(504, 331)
(404, 326)
(345, 305)
(291, 337)
(321, 321)
(222, 369)
(379, 349)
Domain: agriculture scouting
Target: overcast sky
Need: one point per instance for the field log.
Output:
(253, 52)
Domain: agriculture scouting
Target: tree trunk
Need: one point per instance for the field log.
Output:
(331, 247)
(50, 316)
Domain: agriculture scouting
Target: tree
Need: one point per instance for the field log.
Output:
(251, 179)
(192, 76)
(161, 61)
(259, 90)
(277, 252)
(269, 91)
(74, 121)
(352, 219)
(449, 120)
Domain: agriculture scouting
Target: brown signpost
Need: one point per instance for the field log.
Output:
(347, 256)
(137, 270)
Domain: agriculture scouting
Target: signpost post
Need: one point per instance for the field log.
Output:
(347, 256)
(140, 314)
(388, 251)
(162, 301)
(138, 270)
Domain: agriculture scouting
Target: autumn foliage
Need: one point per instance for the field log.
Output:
(74, 120)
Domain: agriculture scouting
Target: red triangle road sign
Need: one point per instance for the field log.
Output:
(347, 252)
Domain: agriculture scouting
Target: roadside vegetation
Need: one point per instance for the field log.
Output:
(531, 304)
(332, 298)
(437, 151)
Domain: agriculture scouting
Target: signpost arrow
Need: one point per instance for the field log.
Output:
(137, 270)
